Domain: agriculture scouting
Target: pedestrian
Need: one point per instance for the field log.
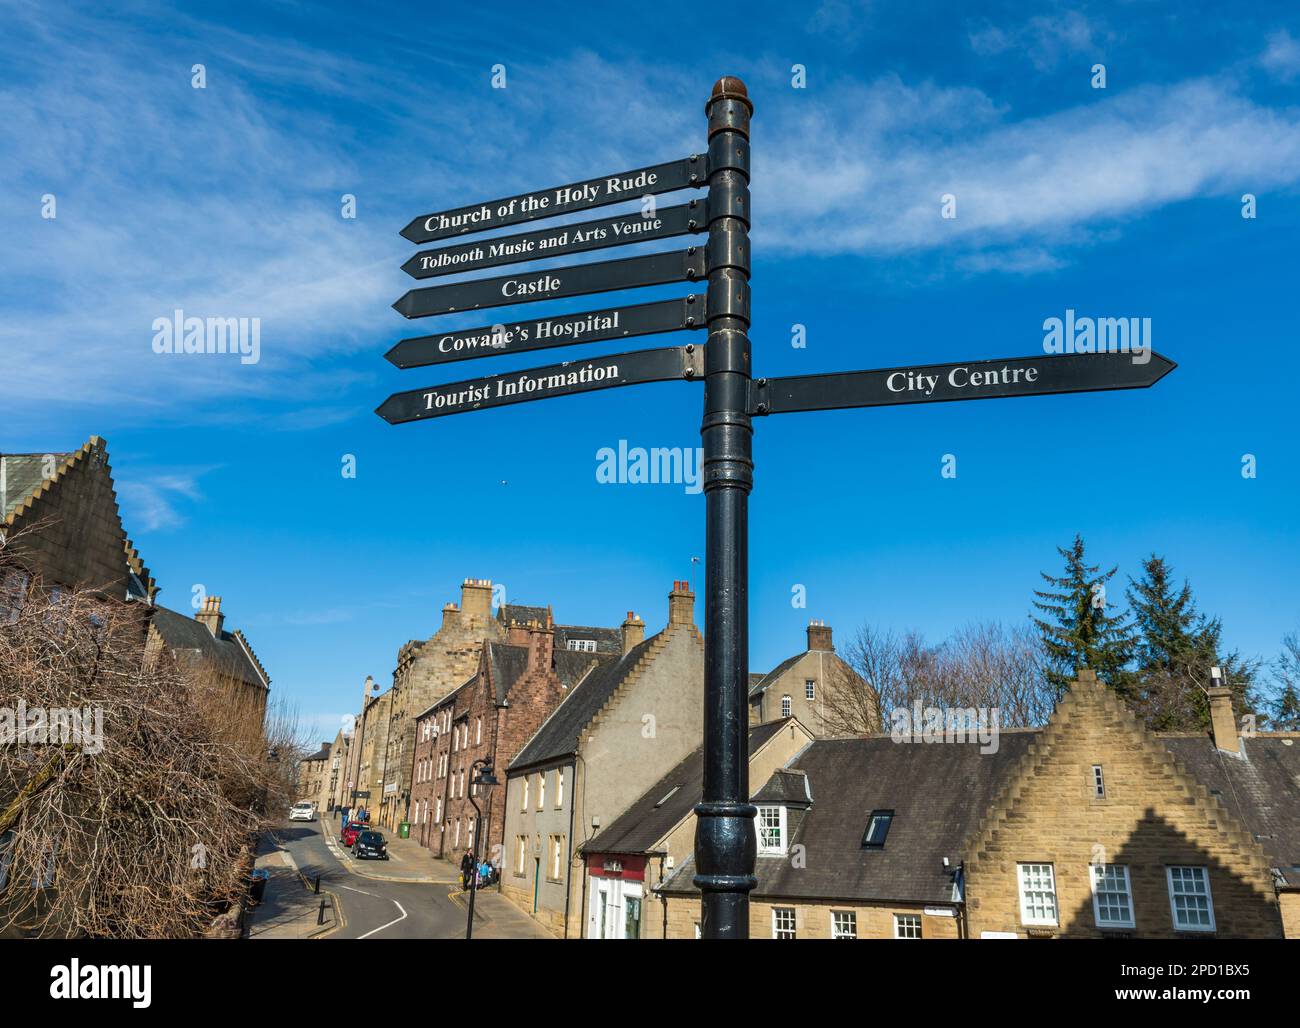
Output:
(466, 869)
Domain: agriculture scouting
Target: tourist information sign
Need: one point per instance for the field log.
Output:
(620, 369)
(642, 319)
(724, 836)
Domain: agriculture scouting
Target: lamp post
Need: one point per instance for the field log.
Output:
(480, 773)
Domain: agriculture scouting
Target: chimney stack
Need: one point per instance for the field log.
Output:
(681, 605)
(517, 634)
(633, 632)
(819, 636)
(210, 616)
(1222, 724)
(476, 598)
(541, 646)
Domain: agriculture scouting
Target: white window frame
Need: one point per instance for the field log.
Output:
(786, 707)
(478, 731)
(910, 918)
(1025, 917)
(794, 922)
(557, 857)
(1173, 906)
(523, 806)
(541, 790)
(782, 841)
(1095, 872)
(1098, 782)
(521, 853)
(849, 931)
(810, 689)
(559, 788)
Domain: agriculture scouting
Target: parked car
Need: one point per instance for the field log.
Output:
(303, 810)
(351, 830)
(370, 845)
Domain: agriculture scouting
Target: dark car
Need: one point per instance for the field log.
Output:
(351, 830)
(370, 844)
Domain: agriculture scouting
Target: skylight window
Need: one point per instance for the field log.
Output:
(877, 828)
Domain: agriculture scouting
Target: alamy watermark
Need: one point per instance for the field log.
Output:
(179, 334)
(656, 465)
(923, 724)
(53, 726)
(1074, 334)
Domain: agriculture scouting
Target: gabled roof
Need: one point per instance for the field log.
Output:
(230, 654)
(560, 733)
(757, 687)
(661, 807)
(505, 664)
(22, 477)
(938, 793)
(321, 754)
(607, 640)
(787, 786)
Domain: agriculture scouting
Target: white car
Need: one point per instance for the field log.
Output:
(303, 811)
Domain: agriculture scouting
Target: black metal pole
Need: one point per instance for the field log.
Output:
(473, 849)
(724, 835)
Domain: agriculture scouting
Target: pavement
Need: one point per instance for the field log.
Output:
(412, 895)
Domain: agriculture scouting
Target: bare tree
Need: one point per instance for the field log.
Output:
(123, 813)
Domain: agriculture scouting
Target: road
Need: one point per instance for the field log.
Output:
(373, 909)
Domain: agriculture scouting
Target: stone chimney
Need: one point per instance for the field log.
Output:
(1222, 724)
(819, 636)
(517, 634)
(541, 646)
(450, 615)
(476, 598)
(681, 605)
(633, 631)
(210, 616)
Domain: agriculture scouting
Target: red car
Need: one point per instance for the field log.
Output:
(351, 830)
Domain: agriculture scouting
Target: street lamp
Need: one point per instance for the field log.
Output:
(480, 773)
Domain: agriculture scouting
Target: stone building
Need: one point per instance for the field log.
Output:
(313, 777)
(622, 727)
(488, 719)
(1091, 827)
(818, 687)
(629, 858)
(60, 526)
(230, 681)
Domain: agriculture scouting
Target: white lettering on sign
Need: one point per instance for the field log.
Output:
(960, 377)
(502, 336)
(515, 287)
(525, 384)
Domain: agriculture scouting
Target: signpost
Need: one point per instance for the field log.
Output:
(725, 844)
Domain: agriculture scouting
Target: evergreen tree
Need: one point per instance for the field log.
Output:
(1079, 630)
(1175, 649)
(1286, 708)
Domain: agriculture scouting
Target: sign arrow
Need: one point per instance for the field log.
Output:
(689, 172)
(620, 369)
(968, 380)
(576, 280)
(543, 333)
(559, 241)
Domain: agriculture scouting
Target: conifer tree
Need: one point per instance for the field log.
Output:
(1175, 649)
(1286, 707)
(1079, 629)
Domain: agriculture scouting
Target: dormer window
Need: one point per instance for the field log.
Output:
(877, 829)
(771, 829)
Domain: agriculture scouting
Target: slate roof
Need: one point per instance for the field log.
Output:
(1262, 789)
(938, 793)
(506, 664)
(229, 654)
(608, 640)
(511, 612)
(321, 754)
(21, 474)
(665, 803)
(786, 786)
(560, 733)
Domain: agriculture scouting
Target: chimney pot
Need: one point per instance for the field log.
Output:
(681, 605)
(633, 632)
(210, 616)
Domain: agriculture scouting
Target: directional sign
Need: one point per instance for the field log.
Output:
(546, 203)
(672, 362)
(576, 280)
(643, 319)
(559, 241)
(969, 380)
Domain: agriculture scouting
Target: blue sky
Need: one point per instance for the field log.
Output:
(225, 201)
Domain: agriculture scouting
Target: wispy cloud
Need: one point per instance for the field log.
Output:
(1281, 57)
(1045, 39)
(155, 500)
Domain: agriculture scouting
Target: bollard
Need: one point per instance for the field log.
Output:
(320, 917)
(317, 889)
